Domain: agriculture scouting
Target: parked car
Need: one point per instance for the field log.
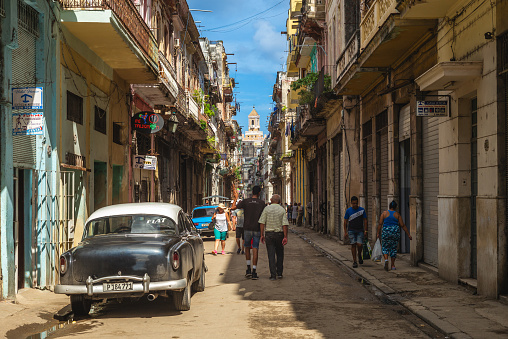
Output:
(132, 251)
(202, 217)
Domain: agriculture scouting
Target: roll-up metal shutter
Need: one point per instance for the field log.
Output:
(23, 75)
(336, 185)
(404, 123)
(384, 168)
(430, 145)
(342, 187)
(370, 183)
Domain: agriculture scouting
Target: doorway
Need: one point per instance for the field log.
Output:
(405, 190)
(19, 229)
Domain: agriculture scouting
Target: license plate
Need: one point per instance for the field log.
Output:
(121, 286)
(204, 225)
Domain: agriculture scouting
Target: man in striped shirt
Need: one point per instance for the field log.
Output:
(274, 229)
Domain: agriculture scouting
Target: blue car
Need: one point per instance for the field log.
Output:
(201, 217)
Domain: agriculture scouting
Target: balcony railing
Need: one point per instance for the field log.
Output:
(193, 106)
(168, 75)
(181, 101)
(375, 17)
(349, 56)
(128, 15)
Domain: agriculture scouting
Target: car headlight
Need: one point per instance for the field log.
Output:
(175, 260)
(63, 264)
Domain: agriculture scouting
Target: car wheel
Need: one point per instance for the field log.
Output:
(182, 299)
(80, 305)
(199, 285)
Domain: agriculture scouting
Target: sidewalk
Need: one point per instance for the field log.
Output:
(452, 309)
(33, 311)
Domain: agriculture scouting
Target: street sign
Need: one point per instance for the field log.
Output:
(27, 124)
(147, 122)
(27, 98)
(432, 108)
(147, 162)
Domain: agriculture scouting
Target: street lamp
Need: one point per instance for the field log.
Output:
(173, 123)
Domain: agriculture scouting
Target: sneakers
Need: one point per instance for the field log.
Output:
(355, 264)
(386, 265)
(214, 252)
(272, 277)
(254, 275)
(279, 276)
(223, 252)
(248, 273)
(238, 251)
(360, 261)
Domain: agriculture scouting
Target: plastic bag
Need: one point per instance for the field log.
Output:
(377, 253)
(367, 251)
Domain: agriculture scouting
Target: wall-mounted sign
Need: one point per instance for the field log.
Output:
(432, 108)
(147, 122)
(147, 162)
(27, 98)
(27, 124)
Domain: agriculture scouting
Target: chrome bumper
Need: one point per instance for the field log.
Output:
(141, 285)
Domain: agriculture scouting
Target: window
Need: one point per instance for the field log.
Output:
(100, 120)
(117, 134)
(74, 108)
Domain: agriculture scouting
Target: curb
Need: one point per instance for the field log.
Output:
(415, 308)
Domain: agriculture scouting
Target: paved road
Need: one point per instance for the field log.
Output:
(316, 299)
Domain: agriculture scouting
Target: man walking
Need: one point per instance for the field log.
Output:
(252, 209)
(355, 227)
(274, 229)
(238, 222)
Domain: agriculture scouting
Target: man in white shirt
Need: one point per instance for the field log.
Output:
(274, 229)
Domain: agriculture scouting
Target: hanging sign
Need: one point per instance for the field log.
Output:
(27, 124)
(147, 122)
(147, 162)
(432, 108)
(27, 98)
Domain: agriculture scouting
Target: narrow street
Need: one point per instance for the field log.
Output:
(313, 291)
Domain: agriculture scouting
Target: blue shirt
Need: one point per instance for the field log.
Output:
(355, 218)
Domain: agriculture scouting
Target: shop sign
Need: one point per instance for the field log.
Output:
(147, 122)
(27, 124)
(432, 108)
(147, 162)
(27, 98)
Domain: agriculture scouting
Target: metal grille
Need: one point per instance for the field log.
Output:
(383, 166)
(53, 223)
(369, 182)
(28, 18)
(23, 75)
(100, 120)
(504, 52)
(430, 150)
(2, 8)
(74, 108)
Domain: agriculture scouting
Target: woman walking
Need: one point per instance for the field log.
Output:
(388, 230)
(222, 225)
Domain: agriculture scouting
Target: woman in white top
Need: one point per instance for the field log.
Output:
(222, 225)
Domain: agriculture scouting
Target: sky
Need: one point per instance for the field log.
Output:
(252, 31)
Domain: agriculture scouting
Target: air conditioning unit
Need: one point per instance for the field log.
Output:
(177, 42)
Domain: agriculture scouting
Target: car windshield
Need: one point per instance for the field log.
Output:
(203, 212)
(131, 224)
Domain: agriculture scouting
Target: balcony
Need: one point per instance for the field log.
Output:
(116, 32)
(314, 9)
(348, 57)
(384, 39)
(306, 127)
(165, 91)
(428, 9)
(228, 84)
(193, 106)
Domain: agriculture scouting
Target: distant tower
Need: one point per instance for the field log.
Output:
(253, 120)
(253, 137)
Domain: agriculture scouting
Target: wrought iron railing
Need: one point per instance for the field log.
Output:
(168, 75)
(128, 15)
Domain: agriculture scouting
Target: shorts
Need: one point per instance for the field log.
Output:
(251, 236)
(239, 233)
(219, 235)
(355, 237)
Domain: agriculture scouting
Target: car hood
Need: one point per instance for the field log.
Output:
(112, 255)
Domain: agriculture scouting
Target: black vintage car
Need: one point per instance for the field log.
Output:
(132, 251)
